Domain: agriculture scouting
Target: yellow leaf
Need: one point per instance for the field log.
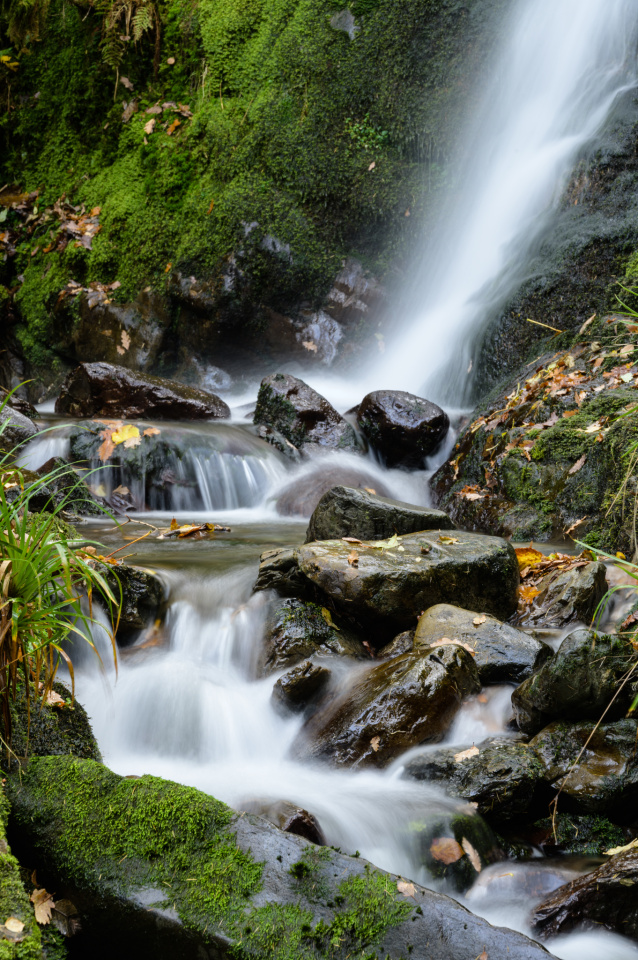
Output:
(174, 524)
(43, 905)
(528, 593)
(446, 539)
(124, 433)
(407, 889)
(621, 555)
(527, 557)
(14, 925)
(327, 616)
(615, 850)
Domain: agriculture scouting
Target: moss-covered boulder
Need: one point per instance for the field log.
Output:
(19, 932)
(550, 453)
(301, 415)
(389, 708)
(503, 777)
(351, 512)
(578, 683)
(385, 585)
(502, 653)
(56, 728)
(296, 630)
(596, 768)
(159, 868)
(577, 835)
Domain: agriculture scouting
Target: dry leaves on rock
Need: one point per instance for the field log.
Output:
(374, 743)
(192, 531)
(446, 642)
(43, 904)
(407, 889)
(466, 754)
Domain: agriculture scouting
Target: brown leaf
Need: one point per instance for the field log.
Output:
(446, 850)
(483, 956)
(148, 127)
(466, 754)
(374, 743)
(472, 854)
(407, 889)
(527, 594)
(154, 110)
(446, 642)
(570, 413)
(13, 925)
(353, 559)
(107, 446)
(151, 432)
(580, 463)
(351, 540)
(173, 127)
(477, 621)
(126, 83)
(122, 491)
(574, 525)
(43, 905)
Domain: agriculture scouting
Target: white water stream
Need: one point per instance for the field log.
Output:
(191, 709)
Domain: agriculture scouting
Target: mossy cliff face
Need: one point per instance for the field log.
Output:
(285, 142)
(163, 869)
(552, 452)
(14, 902)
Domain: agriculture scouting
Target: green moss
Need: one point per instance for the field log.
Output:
(114, 833)
(583, 835)
(14, 901)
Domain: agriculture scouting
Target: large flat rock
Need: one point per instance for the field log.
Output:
(385, 586)
(171, 872)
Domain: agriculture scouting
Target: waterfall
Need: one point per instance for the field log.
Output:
(564, 66)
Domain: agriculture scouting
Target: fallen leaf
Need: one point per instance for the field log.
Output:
(466, 754)
(14, 925)
(43, 905)
(122, 491)
(210, 209)
(528, 557)
(126, 433)
(574, 525)
(391, 544)
(353, 559)
(570, 413)
(580, 463)
(582, 330)
(593, 427)
(174, 524)
(374, 743)
(472, 854)
(171, 61)
(407, 889)
(126, 83)
(446, 850)
(372, 166)
(446, 539)
(151, 432)
(148, 127)
(477, 621)
(154, 110)
(483, 956)
(446, 642)
(309, 345)
(615, 850)
(370, 490)
(327, 616)
(627, 350)
(107, 446)
(528, 593)
(173, 127)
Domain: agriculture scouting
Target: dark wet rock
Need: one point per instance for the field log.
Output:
(502, 653)
(302, 494)
(277, 440)
(520, 883)
(19, 403)
(576, 835)
(402, 643)
(350, 512)
(129, 335)
(52, 730)
(15, 428)
(289, 818)
(143, 598)
(389, 708)
(568, 596)
(605, 898)
(107, 390)
(463, 839)
(504, 778)
(303, 416)
(390, 586)
(402, 428)
(605, 778)
(68, 489)
(301, 686)
(296, 630)
(233, 877)
(578, 683)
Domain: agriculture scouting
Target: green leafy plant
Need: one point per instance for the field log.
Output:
(48, 579)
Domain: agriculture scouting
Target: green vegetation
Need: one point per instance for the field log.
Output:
(14, 901)
(278, 146)
(175, 839)
(44, 579)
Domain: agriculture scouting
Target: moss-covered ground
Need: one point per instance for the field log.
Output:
(14, 903)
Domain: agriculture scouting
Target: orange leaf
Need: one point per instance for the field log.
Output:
(446, 850)
(353, 559)
(151, 432)
(210, 209)
(528, 593)
(107, 447)
(174, 524)
(173, 127)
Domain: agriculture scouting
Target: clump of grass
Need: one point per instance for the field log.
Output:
(47, 586)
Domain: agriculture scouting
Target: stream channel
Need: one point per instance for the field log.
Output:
(186, 704)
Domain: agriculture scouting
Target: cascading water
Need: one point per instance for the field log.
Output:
(562, 69)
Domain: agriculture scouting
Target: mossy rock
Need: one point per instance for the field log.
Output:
(59, 730)
(586, 836)
(14, 902)
(173, 871)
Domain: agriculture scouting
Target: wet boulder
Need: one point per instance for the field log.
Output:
(15, 428)
(604, 781)
(301, 496)
(454, 847)
(502, 653)
(288, 817)
(301, 686)
(384, 586)
(389, 708)
(402, 643)
(172, 872)
(142, 595)
(578, 683)
(69, 490)
(296, 630)
(350, 512)
(402, 428)
(503, 777)
(107, 390)
(579, 835)
(301, 415)
(17, 402)
(569, 596)
(603, 898)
